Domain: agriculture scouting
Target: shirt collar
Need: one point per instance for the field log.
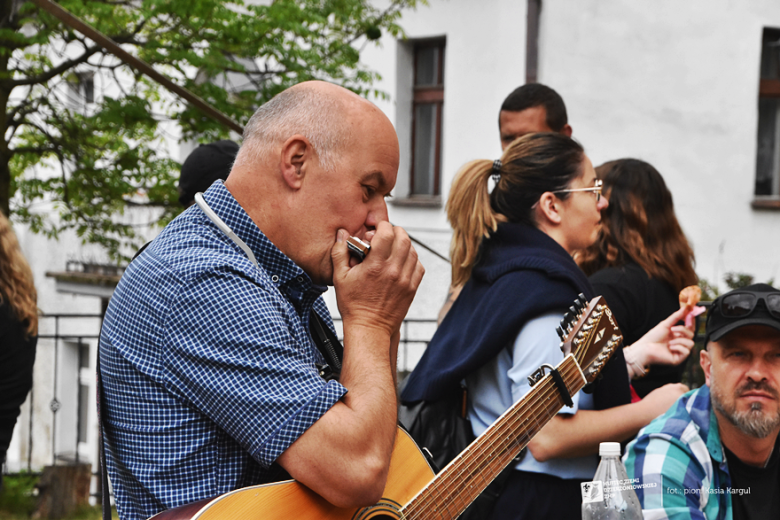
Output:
(704, 415)
(280, 268)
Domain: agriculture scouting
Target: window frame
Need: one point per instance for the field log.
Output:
(426, 95)
(769, 88)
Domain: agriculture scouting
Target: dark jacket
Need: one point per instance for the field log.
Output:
(17, 355)
(521, 274)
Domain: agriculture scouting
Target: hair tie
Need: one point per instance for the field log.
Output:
(496, 170)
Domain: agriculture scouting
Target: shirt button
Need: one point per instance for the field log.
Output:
(300, 279)
(275, 278)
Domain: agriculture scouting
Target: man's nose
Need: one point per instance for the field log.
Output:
(377, 213)
(758, 370)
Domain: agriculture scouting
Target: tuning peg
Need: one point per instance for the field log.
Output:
(565, 320)
(561, 335)
(574, 311)
(583, 301)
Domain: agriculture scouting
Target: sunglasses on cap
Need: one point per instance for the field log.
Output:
(741, 304)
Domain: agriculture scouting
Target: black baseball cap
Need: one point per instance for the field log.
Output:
(757, 304)
(206, 163)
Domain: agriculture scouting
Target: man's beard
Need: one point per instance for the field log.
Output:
(753, 422)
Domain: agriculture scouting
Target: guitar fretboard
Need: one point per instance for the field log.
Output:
(457, 485)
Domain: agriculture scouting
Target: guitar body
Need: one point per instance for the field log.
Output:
(409, 473)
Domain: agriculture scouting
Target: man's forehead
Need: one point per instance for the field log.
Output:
(533, 119)
(757, 336)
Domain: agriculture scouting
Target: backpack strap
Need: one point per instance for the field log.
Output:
(329, 345)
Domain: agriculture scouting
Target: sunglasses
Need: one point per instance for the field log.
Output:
(738, 305)
(596, 188)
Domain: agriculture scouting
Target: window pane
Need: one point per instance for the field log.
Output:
(84, 355)
(427, 66)
(89, 90)
(83, 412)
(768, 160)
(425, 142)
(770, 55)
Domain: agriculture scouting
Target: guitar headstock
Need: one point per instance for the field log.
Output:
(590, 332)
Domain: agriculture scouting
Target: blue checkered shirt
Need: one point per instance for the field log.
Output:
(679, 461)
(208, 368)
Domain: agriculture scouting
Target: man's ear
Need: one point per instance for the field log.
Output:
(566, 130)
(296, 154)
(706, 365)
(549, 207)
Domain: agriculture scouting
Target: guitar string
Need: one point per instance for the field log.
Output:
(501, 447)
(506, 442)
(501, 443)
(473, 466)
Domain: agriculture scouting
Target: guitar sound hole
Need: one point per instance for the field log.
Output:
(378, 515)
(385, 509)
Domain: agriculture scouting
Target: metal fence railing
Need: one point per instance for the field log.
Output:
(60, 418)
(61, 401)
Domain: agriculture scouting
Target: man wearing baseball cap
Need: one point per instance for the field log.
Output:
(714, 454)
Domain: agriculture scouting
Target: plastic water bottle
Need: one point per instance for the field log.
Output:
(611, 495)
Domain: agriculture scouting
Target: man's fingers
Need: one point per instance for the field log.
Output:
(340, 255)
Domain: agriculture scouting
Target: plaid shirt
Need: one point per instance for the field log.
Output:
(208, 368)
(679, 461)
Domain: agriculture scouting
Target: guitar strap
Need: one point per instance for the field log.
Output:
(105, 496)
(329, 345)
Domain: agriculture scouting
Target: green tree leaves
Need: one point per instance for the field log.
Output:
(93, 163)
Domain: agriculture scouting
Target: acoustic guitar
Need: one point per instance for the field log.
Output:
(589, 336)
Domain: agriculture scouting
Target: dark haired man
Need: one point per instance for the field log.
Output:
(204, 165)
(529, 109)
(714, 454)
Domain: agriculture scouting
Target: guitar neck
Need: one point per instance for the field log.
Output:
(457, 485)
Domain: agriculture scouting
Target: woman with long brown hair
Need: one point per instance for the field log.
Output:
(512, 247)
(641, 260)
(18, 332)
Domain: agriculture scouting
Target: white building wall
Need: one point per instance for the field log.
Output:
(675, 84)
(672, 83)
(484, 60)
(44, 256)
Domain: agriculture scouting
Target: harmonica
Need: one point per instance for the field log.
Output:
(358, 248)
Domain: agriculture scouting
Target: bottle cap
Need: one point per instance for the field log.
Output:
(609, 449)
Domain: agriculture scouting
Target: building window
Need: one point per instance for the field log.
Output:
(74, 391)
(82, 89)
(768, 149)
(427, 104)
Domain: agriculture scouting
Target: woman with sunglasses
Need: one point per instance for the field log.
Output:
(512, 247)
(641, 259)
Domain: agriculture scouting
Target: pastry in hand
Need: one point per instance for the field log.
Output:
(689, 298)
